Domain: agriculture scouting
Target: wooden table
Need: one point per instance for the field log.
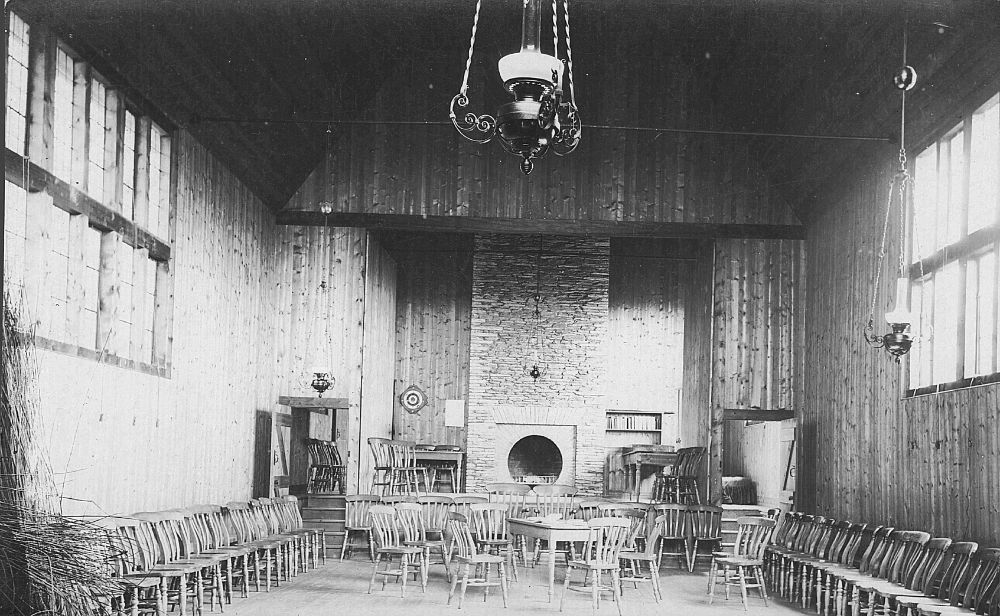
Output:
(551, 531)
(437, 457)
(634, 460)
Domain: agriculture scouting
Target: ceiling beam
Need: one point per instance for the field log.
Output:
(469, 224)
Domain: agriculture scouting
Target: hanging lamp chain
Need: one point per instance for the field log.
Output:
(472, 47)
(569, 54)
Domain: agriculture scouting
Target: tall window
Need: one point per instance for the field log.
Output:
(956, 248)
(17, 84)
(90, 275)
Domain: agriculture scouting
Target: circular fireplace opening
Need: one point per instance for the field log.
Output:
(535, 459)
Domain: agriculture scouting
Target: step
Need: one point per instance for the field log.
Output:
(324, 513)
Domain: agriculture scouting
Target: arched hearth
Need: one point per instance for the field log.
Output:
(535, 459)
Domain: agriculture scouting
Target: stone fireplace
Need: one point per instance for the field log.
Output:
(553, 426)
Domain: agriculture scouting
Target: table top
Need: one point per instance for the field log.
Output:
(439, 455)
(550, 523)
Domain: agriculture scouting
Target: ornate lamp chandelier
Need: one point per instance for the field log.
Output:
(898, 341)
(538, 119)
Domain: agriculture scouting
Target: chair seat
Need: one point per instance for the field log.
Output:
(140, 580)
(634, 555)
(922, 600)
(400, 549)
(478, 559)
(593, 565)
(364, 528)
(740, 561)
(697, 538)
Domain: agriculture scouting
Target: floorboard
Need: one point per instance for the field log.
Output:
(341, 588)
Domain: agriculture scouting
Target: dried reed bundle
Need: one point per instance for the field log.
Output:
(49, 563)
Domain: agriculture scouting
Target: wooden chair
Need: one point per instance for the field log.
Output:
(913, 578)
(382, 471)
(326, 469)
(945, 585)
(470, 560)
(389, 543)
(746, 564)
(406, 477)
(981, 594)
(410, 517)
(180, 581)
(144, 591)
(358, 520)
(685, 480)
(436, 509)
(674, 529)
(514, 495)
(585, 510)
(550, 501)
(705, 527)
(489, 528)
(269, 552)
(600, 555)
(634, 554)
(217, 539)
(846, 556)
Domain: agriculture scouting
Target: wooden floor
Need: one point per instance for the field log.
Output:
(342, 588)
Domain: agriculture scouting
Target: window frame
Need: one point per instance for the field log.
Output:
(101, 212)
(969, 246)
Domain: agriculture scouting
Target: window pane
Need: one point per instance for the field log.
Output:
(985, 319)
(91, 303)
(125, 297)
(17, 85)
(925, 186)
(153, 212)
(946, 293)
(57, 275)
(984, 181)
(62, 121)
(14, 221)
(95, 149)
(949, 221)
(128, 167)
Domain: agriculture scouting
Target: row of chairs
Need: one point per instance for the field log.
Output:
(327, 472)
(179, 557)
(680, 483)
(396, 470)
(855, 569)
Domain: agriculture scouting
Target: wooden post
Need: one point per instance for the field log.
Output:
(108, 295)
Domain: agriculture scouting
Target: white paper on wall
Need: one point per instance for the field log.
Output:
(454, 413)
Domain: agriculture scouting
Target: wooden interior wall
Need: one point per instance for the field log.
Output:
(648, 285)
(120, 440)
(756, 336)
(378, 354)
(930, 463)
(612, 176)
(433, 321)
(696, 405)
(320, 280)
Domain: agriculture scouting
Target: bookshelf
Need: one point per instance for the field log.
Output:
(626, 427)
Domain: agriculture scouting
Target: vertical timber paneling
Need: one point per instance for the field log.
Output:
(869, 454)
(646, 301)
(611, 176)
(320, 276)
(695, 419)
(433, 321)
(122, 440)
(378, 354)
(756, 294)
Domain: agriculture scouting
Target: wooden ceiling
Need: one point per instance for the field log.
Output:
(806, 66)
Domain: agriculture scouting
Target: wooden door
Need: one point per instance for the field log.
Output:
(281, 441)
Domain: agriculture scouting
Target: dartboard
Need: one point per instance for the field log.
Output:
(413, 399)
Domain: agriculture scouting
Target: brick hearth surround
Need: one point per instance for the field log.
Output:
(503, 399)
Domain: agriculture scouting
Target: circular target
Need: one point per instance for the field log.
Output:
(413, 399)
